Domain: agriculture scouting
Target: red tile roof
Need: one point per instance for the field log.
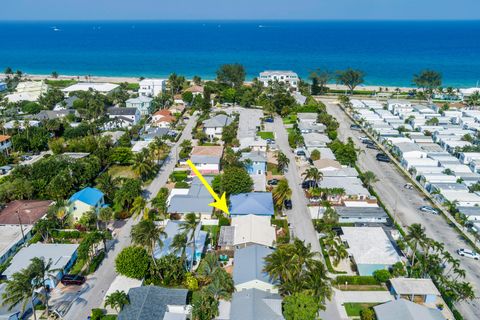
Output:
(4, 137)
(30, 211)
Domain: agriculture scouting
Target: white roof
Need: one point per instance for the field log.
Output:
(278, 73)
(370, 245)
(152, 82)
(352, 185)
(253, 229)
(461, 196)
(11, 235)
(122, 283)
(86, 86)
(59, 254)
(139, 145)
(140, 99)
(414, 286)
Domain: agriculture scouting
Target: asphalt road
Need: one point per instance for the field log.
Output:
(404, 204)
(92, 292)
(299, 217)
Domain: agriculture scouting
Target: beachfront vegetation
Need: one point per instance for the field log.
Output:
(350, 78)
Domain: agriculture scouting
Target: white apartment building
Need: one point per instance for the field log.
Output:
(152, 87)
(290, 78)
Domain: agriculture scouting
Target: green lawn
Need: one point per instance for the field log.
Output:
(273, 169)
(291, 119)
(353, 308)
(60, 84)
(122, 171)
(266, 135)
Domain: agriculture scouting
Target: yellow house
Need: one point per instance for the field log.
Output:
(85, 200)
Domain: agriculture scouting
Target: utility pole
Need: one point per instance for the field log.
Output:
(21, 226)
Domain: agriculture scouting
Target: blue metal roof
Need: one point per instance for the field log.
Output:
(258, 203)
(90, 196)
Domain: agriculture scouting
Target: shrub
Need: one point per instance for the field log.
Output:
(190, 282)
(132, 262)
(97, 314)
(357, 280)
(181, 185)
(96, 261)
(315, 155)
(381, 275)
(367, 314)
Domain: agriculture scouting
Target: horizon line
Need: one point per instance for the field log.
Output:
(242, 20)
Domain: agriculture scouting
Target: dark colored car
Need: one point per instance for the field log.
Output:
(72, 280)
(307, 184)
(268, 120)
(355, 127)
(367, 141)
(288, 204)
(272, 182)
(372, 146)
(300, 153)
(382, 157)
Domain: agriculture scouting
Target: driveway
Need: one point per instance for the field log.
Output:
(299, 217)
(404, 204)
(92, 293)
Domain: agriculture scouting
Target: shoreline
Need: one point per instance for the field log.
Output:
(120, 79)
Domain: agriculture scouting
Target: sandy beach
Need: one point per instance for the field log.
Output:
(116, 79)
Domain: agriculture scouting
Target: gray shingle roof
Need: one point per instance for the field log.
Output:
(253, 304)
(117, 111)
(197, 200)
(364, 212)
(249, 264)
(406, 310)
(150, 302)
(258, 156)
(205, 159)
(220, 120)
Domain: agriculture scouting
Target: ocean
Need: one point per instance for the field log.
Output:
(388, 52)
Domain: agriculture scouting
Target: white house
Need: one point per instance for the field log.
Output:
(105, 88)
(289, 78)
(27, 91)
(5, 143)
(213, 127)
(408, 150)
(253, 229)
(207, 158)
(142, 103)
(129, 115)
(152, 87)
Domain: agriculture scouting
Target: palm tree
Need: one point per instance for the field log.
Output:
(117, 300)
(147, 235)
(369, 178)
(281, 193)
(474, 99)
(42, 271)
(338, 252)
(282, 161)
(207, 268)
(416, 235)
(222, 285)
(105, 215)
(138, 205)
(107, 184)
(20, 289)
(142, 165)
(189, 226)
(179, 245)
(313, 174)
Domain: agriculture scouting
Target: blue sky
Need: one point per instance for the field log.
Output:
(238, 9)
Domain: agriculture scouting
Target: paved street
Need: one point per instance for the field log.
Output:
(299, 217)
(404, 204)
(92, 293)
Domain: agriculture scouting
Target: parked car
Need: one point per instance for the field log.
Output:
(73, 280)
(355, 127)
(372, 146)
(268, 120)
(408, 186)
(382, 157)
(468, 253)
(300, 153)
(429, 209)
(270, 141)
(367, 141)
(363, 138)
(288, 204)
(307, 184)
(272, 182)
(26, 158)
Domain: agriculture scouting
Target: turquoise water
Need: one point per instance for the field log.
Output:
(389, 52)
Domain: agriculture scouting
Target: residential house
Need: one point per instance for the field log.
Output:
(213, 127)
(163, 118)
(257, 203)
(173, 228)
(307, 118)
(361, 214)
(142, 103)
(352, 187)
(254, 143)
(327, 164)
(13, 237)
(123, 117)
(247, 230)
(5, 143)
(463, 198)
(255, 304)
(156, 303)
(196, 199)
(85, 200)
(472, 213)
(406, 150)
(195, 90)
(104, 88)
(45, 115)
(289, 78)
(307, 127)
(314, 141)
(27, 91)
(151, 87)
(68, 103)
(370, 249)
(248, 270)
(62, 256)
(3, 86)
(255, 162)
(299, 98)
(25, 212)
(207, 159)
(121, 283)
(16, 312)
(402, 309)
(21, 125)
(415, 290)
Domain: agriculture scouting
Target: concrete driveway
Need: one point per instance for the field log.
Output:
(404, 203)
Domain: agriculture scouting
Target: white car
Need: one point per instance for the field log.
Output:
(468, 253)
